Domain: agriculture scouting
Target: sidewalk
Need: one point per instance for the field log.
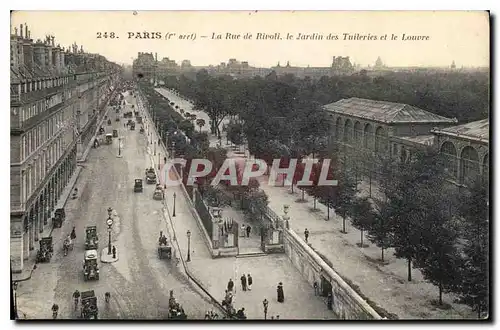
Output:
(57, 234)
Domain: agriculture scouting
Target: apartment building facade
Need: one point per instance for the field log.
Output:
(57, 95)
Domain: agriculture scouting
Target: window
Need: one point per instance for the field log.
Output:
(23, 147)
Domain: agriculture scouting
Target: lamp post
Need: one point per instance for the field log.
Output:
(265, 303)
(109, 222)
(189, 246)
(14, 288)
(120, 146)
(173, 213)
(159, 161)
(154, 144)
(286, 217)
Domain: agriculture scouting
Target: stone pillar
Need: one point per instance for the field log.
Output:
(59, 183)
(16, 244)
(26, 238)
(36, 222)
(31, 238)
(52, 193)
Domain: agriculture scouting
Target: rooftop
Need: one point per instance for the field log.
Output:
(387, 112)
(477, 129)
(420, 139)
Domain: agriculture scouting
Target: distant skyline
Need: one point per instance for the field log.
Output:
(457, 36)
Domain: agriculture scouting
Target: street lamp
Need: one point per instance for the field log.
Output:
(154, 144)
(109, 222)
(14, 288)
(120, 146)
(189, 246)
(173, 213)
(159, 161)
(265, 303)
(286, 217)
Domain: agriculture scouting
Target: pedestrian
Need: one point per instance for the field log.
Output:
(243, 282)
(114, 252)
(230, 285)
(243, 230)
(281, 294)
(306, 234)
(248, 230)
(315, 285)
(277, 317)
(330, 301)
(249, 281)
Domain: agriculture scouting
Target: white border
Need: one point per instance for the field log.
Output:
(194, 5)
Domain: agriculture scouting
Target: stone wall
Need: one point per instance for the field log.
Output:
(347, 303)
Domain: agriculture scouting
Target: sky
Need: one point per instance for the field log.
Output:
(448, 36)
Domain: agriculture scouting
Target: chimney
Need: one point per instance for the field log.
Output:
(28, 54)
(48, 55)
(39, 54)
(26, 30)
(21, 31)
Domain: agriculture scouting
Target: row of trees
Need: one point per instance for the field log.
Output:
(438, 228)
(179, 134)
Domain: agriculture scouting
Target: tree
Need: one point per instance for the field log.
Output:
(413, 181)
(235, 133)
(200, 122)
(345, 194)
(363, 216)
(474, 289)
(437, 256)
(380, 231)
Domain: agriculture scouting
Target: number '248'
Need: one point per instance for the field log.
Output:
(106, 35)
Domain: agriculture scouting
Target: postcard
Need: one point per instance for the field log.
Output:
(249, 165)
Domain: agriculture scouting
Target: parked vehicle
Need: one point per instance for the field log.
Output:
(46, 250)
(59, 217)
(150, 175)
(158, 193)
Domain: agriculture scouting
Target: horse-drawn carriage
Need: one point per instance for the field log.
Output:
(158, 194)
(150, 175)
(109, 122)
(117, 118)
(132, 126)
(91, 238)
(89, 305)
(90, 267)
(164, 251)
(141, 130)
(101, 130)
(175, 310)
(115, 133)
(109, 138)
(46, 250)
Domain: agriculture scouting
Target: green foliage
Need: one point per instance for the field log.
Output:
(235, 133)
(474, 288)
(363, 217)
